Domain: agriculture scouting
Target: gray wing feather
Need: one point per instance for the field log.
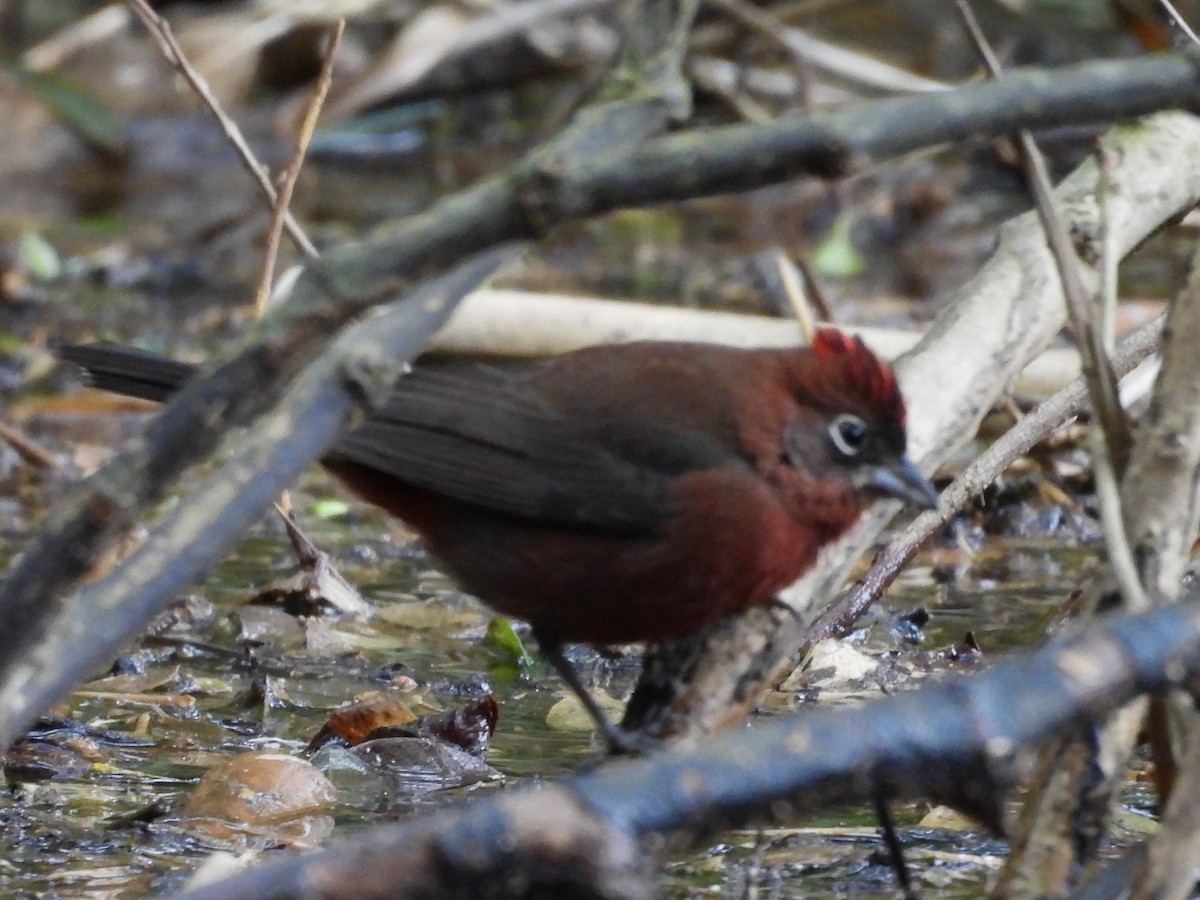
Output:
(480, 434)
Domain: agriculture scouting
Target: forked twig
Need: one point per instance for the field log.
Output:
(165, 38)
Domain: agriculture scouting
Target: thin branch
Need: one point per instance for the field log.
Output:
(1112, 440)
(26, 448)
(1100, 379)
(793, 289)
(291, 172)
(1179, 20)
(1106, 188)
(809, 51)
(165, 38)
(1107, 476)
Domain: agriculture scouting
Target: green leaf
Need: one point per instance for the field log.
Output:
(501, 638)
(835, 257)
(330, 508)
(37, 256)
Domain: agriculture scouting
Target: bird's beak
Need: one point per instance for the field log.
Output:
(905, 482)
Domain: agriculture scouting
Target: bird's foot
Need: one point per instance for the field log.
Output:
(627, 742)
(620, 741)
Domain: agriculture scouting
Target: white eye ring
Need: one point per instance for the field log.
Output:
(849, 434)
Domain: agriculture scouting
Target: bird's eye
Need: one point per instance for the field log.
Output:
(849, 434)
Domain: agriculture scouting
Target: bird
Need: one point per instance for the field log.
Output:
(616, 493)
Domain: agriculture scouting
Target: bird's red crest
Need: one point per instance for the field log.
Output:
(863, 368)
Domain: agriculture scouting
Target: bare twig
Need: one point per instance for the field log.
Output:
(1109, 257)
(499, 22)
(810, 51)
(60, 46)
(793, 289)
(26, 448)
(287, 186)
(1111, 442)
(1163, 513)
(162, 34)
(291, 172)
(1108, 477)
(1068, 806)
(1179, 21)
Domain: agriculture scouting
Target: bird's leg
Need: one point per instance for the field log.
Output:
(895, 849)
(619, 741)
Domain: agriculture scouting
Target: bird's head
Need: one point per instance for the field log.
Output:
(843, 439)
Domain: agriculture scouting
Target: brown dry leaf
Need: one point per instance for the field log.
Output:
(354, 722)
(469, 727)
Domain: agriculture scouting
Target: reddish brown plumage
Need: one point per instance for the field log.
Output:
(626, 492)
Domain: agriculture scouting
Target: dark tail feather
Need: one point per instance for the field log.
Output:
(134, 373)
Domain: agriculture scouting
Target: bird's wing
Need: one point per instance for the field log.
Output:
(484, 435)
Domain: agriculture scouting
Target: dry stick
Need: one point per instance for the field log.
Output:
(1055, 411)
(797, 297)
(1108, 477)
(768, 27)
(1101, 383)
(1169, 869)
(1164, 514)
(26, 448)
(97, 26)
(291, 172)
(287, 187)
(1062, 814)
(813, 290)
(161, 32)
(499, 22)
(1109, 257)
(1113, 439)
(806, 51)
(1179, 21)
